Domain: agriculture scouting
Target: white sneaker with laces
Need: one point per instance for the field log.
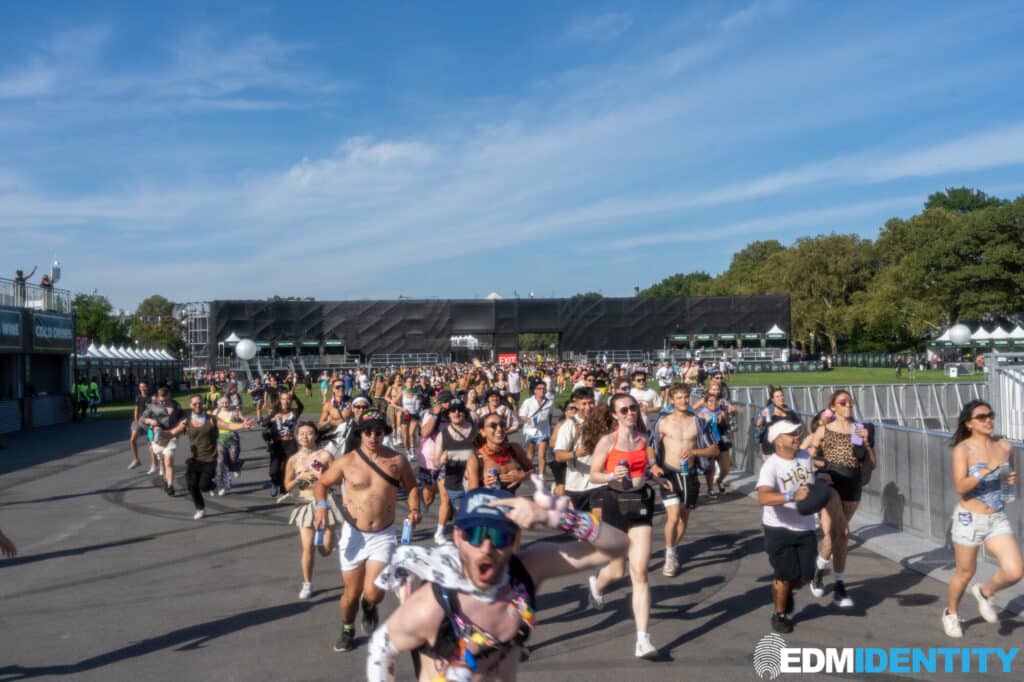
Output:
(951, 624)
(671, 566)
(439, 538)
(596, 598)
(644, 647)
(988, 612)
(307, 591)
(200, 513)
(134, 464)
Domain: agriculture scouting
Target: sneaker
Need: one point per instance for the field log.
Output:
(644, 647)
(841, 598)
(151, 471)
(200, 513)
(170, 490)
(818, 583)
(671, 566)
(307, 591)
(951, 624)
(594, 598)
(988, 612)
(371, 619)
(781, 623)
(236, 474)
(274, 491)
(346, 640)
(712, 493)
(220, 493)
(721, 487)
(133, 465)
(439, 538)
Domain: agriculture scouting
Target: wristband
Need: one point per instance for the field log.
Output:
(581, 525)
(789, 496)
(322, 504)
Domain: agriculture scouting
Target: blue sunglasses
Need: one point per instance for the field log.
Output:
(475, 535)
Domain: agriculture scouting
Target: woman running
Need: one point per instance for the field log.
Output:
(498, 463)
(982, 462)
(775, 410)
(453, 448)
(279, 431)
(229, 445)
(302, 471)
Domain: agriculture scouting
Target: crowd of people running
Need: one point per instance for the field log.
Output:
(623, 438)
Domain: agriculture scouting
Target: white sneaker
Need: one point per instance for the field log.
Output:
(671, 566)
(307, 591)
(133, 464)
(220, 493)
(951, 624)
(236, 474)
(151, 471)
(988, 612)
(644, 647)
(200, 513)
(439, 538)
(596, 599)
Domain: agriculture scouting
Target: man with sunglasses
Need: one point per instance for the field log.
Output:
(337, 412)
(648, 399)
(372, 475)
(569, 451)
(479, 585)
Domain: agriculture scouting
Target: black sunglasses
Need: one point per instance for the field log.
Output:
(984, 416)
(494, 426)
(627, 410)
(475, 535)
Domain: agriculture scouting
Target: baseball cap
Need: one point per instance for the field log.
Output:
(476, 512)
(370, 419)
(781, 427)
(444, 397)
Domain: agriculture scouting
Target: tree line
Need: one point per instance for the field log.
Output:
(960, 259)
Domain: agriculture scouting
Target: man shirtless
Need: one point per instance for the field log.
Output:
(678, 433)
(336, 416)
(371, 474)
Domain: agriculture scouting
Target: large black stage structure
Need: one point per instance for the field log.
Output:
(427, 326)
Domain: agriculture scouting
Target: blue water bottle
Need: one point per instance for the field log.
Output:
(318, 537)
(407, 532)
(627, 482)
(497, 483)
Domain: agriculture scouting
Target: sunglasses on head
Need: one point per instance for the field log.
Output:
(627, 410)
(984, 416)
(475, 535)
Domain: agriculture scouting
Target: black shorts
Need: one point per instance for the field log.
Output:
(791, 552)
(427, 478)
(558, 471)
(582, 500)
(621, 512)
(847, 484)
(685, 489)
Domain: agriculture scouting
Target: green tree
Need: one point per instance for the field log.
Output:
(154, 326)
(962, 200)
(746, 274)
(94, 319)
(155, 306)
(677, 285)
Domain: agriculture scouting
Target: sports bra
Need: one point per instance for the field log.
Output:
(636, 459)
(457, 633)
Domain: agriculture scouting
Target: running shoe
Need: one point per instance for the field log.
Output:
(712, 493)
(236, 474)
(346, 640)
(818, 583)
(594, 598)
(371, 619)
(439, 538)
(307, 591)
(133, 465)
(951, 624)
(151, 471)
(644, 647)
(841, 598)
(671, 566)
(988, 612)
(274, 491)
(721, 487)
(781, 623)
(200, 513)
(220, 493)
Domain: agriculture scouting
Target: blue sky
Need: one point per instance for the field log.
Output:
(364, 150)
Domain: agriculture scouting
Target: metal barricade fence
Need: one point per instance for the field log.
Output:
(912, 488)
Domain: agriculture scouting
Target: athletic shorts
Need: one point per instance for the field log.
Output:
(685, 489)
(791, 552)
(457, 496)
(428, 477)
(356, 547)
(257, 401)
(558, 470)
(582, 500)
(166, 450)
(136, 427)
(971, 529)
(848, 485)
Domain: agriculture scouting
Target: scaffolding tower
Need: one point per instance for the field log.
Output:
(197, 326)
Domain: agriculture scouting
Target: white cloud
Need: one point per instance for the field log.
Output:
(599, 28)
(753, 12)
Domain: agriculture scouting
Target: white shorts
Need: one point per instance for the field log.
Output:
(971, 529)
(356, 547)
(165, 450)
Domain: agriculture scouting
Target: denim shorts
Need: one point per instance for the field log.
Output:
(971, 529)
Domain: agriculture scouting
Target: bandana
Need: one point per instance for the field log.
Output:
(441, 565)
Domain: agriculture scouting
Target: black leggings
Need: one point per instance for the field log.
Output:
(199, 479)
(280, 451)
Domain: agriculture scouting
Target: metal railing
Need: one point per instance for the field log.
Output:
(406, 359)
(1006, 391)
(33, 296)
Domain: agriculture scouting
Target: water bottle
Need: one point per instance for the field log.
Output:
(318, 537)
(627, 482)
(497, 483)
(406, 532)
(1006, 491)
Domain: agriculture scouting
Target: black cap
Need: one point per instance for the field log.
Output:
(444, 397)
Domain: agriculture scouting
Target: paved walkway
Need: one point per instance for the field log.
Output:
(115, 581)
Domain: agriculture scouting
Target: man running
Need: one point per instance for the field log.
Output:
(257, 392)
(677, 432)
(650, 401)
(372, 475)
(568, 449)
(535, 416)
(138, 428)
(475, 613)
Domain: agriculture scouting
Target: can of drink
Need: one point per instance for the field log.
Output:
(318, 537)
(406, 532)
(627, 482)
(684, 466)
(494, 473)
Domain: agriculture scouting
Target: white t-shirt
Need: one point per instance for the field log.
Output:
(647, 397)
(514, 386)
(536, 417)
(784, 475)
(577, 472)
(664, 377)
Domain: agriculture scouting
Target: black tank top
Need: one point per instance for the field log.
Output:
(459, 452)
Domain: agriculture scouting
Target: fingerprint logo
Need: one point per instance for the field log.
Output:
(768, 656)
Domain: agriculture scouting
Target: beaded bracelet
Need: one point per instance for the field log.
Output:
(581, 525)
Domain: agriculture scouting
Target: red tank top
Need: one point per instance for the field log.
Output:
(637, 459)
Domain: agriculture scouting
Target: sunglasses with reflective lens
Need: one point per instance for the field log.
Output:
(984, 416)
(475, 535)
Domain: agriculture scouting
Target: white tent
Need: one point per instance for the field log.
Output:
(1017, 333)
(944, 337)
(981, 335)
(999, 334)
(775, 331)
(232, 338)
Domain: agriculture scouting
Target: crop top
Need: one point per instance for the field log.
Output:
(989, 489)
(636, 459)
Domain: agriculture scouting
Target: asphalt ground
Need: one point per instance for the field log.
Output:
(115, 581)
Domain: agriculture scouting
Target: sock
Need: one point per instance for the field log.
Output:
(821, 564)
(348, 627)
(668, 552)
(838, 576)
